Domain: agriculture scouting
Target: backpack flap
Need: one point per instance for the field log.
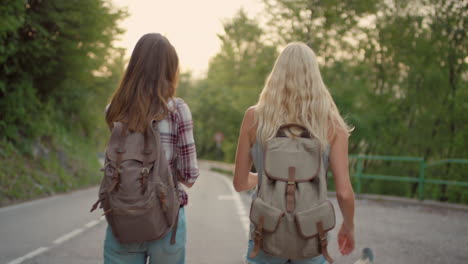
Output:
(307, 220)
(132, 147)
(271, 215)
(302, 153)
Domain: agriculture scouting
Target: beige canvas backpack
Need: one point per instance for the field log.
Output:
(291, 213)
(138, 192)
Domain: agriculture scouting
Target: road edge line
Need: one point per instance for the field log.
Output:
(241, 211)
(68, 236)
(30, 255)
(56, 242)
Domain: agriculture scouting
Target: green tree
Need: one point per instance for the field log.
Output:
(53, 53)
(397, 70)
(235, 78)
(58, 66)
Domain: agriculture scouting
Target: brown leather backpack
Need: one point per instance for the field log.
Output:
(138, 192)
(291, 213)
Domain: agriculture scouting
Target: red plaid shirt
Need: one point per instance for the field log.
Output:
(177, 139)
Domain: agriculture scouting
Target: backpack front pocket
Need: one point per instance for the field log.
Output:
(135, 219)
(270, 214)
(308, 222)
(266, 219)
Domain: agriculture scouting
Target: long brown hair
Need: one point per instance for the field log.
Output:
(149, 82)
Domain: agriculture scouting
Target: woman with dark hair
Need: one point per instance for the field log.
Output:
(146, 93)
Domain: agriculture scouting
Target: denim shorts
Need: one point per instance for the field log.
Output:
(158, 251)
(263, 258)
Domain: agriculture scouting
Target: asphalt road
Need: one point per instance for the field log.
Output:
(61, 230)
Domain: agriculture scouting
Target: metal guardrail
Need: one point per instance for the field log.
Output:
(421, 180)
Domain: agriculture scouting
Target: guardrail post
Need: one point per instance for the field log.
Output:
(422, 167)
(360, 162)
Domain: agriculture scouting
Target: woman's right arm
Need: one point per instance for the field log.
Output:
(344, 190)
(243, 178)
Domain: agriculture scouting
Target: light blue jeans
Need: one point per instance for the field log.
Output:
(158, 251)
(263, 258)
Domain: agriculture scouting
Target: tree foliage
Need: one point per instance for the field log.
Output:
(234, 80)
(58, 66)
(55, 55)
(396, 69)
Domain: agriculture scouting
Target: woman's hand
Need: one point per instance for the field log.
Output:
(346, 239)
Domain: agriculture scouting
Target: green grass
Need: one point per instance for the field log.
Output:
(222, 171)
(70, 163)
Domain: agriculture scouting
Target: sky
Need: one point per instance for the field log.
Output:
(190, 25)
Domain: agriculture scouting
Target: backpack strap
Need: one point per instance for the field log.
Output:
(154, 129)
(323, 242)
(291, 190)
(258, 237)
(161, 192)
(121, 129)
(304, 134)
(146, 153)
(95, 205)
(174, 228)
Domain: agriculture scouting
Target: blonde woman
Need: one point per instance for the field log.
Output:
(295, 93)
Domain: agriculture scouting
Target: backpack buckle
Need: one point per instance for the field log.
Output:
(145, 171)
(146, 151)
(291, 183)
(120, 150)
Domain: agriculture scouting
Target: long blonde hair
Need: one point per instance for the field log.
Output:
(295, 93)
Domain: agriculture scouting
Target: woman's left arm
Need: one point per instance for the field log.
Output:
(187, 166)
(243, 178)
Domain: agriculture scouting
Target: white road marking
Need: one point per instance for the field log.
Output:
(27, 204)
(244, 219)
(241, 211)
(56, 241)
(92, 223)
(68, 236)
(29, 255)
